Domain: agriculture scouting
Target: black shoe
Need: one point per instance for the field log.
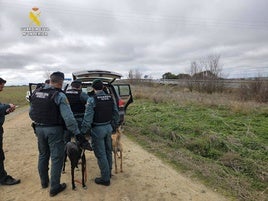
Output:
(61, 188)
(10, 181)
(102, 182)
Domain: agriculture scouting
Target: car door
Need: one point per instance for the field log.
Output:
(124, 92)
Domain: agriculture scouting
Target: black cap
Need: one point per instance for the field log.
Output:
(2, 81)
(76, 83)
(58, 74)
(97, 84)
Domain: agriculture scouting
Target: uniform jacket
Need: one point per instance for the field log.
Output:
(3, 108)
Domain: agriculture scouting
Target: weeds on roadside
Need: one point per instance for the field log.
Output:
(214, 137)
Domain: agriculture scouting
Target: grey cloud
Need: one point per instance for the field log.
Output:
(152, 36)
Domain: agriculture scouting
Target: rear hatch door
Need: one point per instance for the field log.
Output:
(88, 76)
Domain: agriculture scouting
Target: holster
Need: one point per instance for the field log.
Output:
(33, 126)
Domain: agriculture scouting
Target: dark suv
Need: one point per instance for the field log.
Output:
(121, 92)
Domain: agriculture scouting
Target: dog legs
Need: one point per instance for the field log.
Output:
(115, 162)
(72, 174)
(121, 161)
(117, 148)
(84, 170)
(74, 153)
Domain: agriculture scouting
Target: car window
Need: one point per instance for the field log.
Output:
(122, 90)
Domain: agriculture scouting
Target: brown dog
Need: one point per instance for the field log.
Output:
(117, 147)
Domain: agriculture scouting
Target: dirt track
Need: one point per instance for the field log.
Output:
(145, 177)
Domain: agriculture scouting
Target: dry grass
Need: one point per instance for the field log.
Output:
(180, 96)
(224, 148)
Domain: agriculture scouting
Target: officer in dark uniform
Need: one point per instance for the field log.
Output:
(101, 113)
(51, 112)
(77, 99)
(5, 109)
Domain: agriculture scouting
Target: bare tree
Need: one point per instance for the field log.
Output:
(138, 74)
(47, 75)
(134, 76)
(206, 74)
(212, 64)
(130, 74)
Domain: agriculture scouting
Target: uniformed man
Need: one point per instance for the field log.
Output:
(101, 113)
(77, 99)
(5, 109)
(51, 112)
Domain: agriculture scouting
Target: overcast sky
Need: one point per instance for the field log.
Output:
(152, 36)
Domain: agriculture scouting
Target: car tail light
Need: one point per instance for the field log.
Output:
(121, 103)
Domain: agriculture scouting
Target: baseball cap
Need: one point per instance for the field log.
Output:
(97, 84)
(2, 81)
(76, 83)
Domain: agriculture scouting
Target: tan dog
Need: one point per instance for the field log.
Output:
(117, 147)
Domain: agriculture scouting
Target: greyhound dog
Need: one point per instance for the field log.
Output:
(75, 153)
(117, 147)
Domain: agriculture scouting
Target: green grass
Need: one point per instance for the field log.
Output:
(222, 142)
(14, 94)
(226, 148)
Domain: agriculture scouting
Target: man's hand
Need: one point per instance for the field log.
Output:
(11, 109)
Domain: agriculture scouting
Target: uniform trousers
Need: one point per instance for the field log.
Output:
(3, 173)
(102, 147)
(50, 145)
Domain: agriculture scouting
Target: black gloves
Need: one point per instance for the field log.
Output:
(83, 143)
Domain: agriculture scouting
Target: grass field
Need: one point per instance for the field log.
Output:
(212, 137)
(215, 138)
(15, 95)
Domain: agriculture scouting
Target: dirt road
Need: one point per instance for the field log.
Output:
(145, 177)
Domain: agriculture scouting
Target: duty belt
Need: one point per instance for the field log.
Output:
(101, 124)
(47, 125)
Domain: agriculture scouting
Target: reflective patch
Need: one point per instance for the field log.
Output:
(72, 92)
(104, 98)
(41, 95)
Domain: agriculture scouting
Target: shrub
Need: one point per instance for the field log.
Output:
(254, 90)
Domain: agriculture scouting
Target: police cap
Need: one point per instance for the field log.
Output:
(58, 74)
(97, 84)
(76, 83)
(2, 81)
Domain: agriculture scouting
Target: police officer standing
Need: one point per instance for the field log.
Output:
(5, 109)
(101, 113)
(51, 112)
(77, 99)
